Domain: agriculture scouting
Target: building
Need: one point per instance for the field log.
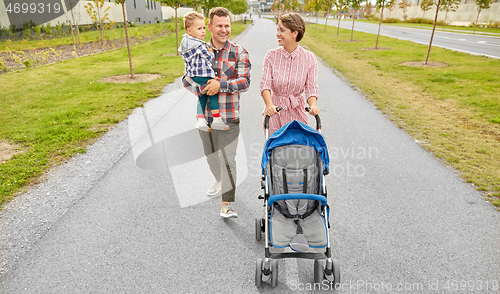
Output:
(137, 11)
(465, 14)
(143, 11)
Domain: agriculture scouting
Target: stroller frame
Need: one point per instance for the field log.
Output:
(267, 268)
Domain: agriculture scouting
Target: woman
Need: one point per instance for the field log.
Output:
(289, 71)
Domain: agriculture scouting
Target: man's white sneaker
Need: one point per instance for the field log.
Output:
(215, 189)
(202, 125)
(218, 124)
(227, 211)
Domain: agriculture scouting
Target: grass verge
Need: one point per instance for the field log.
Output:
(453, 110)
(88, 36)
(55, 111)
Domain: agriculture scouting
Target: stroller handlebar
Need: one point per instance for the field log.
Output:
(318, 119)
(266, 121)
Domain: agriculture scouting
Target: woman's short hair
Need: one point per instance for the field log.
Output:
(219, 11)
(293, 22)
(190, 17)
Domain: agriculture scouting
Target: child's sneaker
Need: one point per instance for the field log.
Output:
(202, 125)
(218, 124)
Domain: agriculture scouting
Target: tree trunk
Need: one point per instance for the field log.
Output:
(128, 45)
(352, 30)
(379, 25)
(422, 23)
(176, 32)
(73, 37)
(445, 16)
(477, 19)
(78, 35)
(338, 27)
(433, 29)
(326, 20)
(317, 15)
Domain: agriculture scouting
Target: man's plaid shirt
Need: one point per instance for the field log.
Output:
(232, 69)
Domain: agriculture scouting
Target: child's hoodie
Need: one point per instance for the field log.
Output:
(197, 58)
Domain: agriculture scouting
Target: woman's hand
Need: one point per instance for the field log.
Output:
(271, 110)
(314, 110)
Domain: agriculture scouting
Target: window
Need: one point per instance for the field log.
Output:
(135, 5)
(147, 4)
(137, 19)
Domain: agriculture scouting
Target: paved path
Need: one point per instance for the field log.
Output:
(130, 215)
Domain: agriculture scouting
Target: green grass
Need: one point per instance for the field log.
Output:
(85, 37)
(55, 111)
(454, 109)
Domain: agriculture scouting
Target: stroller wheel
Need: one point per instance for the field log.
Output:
(319, 272)
(258, 272)
(258, 229)
(336, 273)
(274, 273)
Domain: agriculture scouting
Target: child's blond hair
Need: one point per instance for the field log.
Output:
(190, 18)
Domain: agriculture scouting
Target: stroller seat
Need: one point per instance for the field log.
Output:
(296, 219)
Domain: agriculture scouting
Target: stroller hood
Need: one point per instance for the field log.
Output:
(296, 132)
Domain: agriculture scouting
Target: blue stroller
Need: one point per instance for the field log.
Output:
(294, 163)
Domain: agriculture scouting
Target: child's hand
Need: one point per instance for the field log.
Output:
(210, 48)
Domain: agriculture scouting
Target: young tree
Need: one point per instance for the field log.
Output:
(404, 5)
(75, 19)
(237, 6)
(481, 4)
(122, 3)
(313, 6)
(175, 4)
(425, 5)
(99, 15)
(291, 5)
(439, 5)
(390, 5)
(341, 5)
(355, 5)
(449, 5)
(327, 6)
(380, 4)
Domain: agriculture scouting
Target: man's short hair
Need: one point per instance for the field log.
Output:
(219, 11)
(294, 22)
(190, 17)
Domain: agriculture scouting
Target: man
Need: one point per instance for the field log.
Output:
(232, 76)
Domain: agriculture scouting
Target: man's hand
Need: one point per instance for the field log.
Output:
(212, 88)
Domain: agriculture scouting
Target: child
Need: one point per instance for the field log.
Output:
(198, 60)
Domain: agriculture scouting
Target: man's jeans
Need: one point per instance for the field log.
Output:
(220, 151)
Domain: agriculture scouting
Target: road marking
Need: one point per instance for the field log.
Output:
(482, 42)
(462, 39)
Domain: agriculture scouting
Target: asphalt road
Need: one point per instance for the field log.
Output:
(131, 215)
(474, 44)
